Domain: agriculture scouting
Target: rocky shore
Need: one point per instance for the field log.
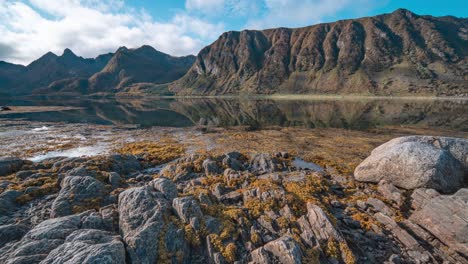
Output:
(156, 203)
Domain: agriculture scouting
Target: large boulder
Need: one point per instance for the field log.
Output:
(412, 162)
(77, 192)
(446, 217)
(9, 165)
(142, 212)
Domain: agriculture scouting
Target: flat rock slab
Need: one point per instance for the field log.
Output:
(446, 217)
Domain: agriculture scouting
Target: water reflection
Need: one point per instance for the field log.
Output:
(257, 113)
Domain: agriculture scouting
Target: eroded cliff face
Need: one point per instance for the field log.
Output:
(397, 53)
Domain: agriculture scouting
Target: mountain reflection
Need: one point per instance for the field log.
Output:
(256, 113)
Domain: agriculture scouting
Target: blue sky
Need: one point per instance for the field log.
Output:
(30, 28)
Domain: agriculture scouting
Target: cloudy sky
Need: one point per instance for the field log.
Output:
(30, 28)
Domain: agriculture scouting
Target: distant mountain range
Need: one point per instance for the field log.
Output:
(108, 73)
(392, 54)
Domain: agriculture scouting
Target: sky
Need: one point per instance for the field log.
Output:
(31, 28)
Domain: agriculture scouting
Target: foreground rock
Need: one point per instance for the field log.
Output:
(10, 165)
(65, 240)
(446, 217)
(78, 192)
(414, 162)
(261, 209)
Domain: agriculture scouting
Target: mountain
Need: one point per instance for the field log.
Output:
(127, 69)
(391, 54)
(47, 69)
(112, 72)
(9, 74)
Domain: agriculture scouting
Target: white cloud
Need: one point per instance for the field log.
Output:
(92, 27)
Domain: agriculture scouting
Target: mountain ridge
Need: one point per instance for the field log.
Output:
(389, 54)
(107, 73)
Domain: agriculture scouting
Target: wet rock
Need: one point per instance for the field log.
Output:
(445, 217)
(188, 210)
(88, 246)
(210, 167)
(263, 163)
(166, 187)
(77, 192)
(141, 221)
(418, 162)
(10, 233)
(282, 250)
(9, 165)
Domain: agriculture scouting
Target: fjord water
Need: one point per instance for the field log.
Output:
(255, 113)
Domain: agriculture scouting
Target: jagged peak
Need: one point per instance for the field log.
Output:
(68, 52)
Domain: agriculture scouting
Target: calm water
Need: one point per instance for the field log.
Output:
(357, 114)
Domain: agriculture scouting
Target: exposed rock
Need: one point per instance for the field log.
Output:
(114, 180)
(8, 201)
(320, 225)
(88, 246)
(231, 161)
(283, 250)
(445, 216)
(76, 192)
(379, 206)
(419, 197)
(9, 165)
(188, 209)
(390, 192)
(10, 233)
(166, 187)
(263, 163)
(210, 167)
(418, 162)
(22, 175)
(141, 221)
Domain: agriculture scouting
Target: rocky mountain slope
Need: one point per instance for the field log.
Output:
(257, 208)
(397, 53)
